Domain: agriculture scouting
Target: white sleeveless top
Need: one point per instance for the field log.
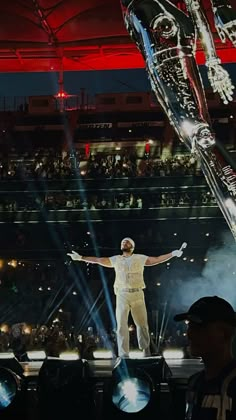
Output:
(129, 271)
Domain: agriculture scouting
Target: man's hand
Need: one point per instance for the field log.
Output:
(75, 256)
(179, 252)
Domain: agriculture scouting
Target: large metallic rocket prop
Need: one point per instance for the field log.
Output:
(167, 37)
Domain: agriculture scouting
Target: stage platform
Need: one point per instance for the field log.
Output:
(99, 383)
(102, 368)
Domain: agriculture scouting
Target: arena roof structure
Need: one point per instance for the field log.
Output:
(74, 35)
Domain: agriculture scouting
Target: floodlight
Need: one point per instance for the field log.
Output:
(135, 388)
(9, 386)
(12, 394)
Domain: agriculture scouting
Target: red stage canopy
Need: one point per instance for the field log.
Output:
(73, 35)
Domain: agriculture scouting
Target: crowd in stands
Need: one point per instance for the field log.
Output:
(46, 164)
(49, 165)
(56, 339)
(53, 340)
(108, 201)
(126, 165)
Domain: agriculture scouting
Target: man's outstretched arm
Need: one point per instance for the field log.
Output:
(165, 257)
(158, 260)
(104, 261)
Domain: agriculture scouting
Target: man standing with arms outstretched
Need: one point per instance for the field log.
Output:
(128, 288)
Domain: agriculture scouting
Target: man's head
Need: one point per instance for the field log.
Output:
(127, 245)
(211, 325)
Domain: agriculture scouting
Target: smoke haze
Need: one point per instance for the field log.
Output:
(218, 277)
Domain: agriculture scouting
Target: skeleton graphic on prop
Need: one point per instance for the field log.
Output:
(166, 37)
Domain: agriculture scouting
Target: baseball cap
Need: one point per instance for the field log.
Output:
(130, 240)
(209, 309)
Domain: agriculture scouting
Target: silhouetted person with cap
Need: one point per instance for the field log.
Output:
(128, 287)
(211, 392)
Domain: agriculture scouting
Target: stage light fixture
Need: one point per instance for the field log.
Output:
(173, 353)
(131, 395)
(135, 388)
(9, 361)
(64, 388)
(12, 394)
(9, 386)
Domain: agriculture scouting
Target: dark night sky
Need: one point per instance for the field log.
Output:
(26, 84)
(18, 84)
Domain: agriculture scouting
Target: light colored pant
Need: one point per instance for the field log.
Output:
(133, 302)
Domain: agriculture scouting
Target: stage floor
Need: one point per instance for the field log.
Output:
(180, 368)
